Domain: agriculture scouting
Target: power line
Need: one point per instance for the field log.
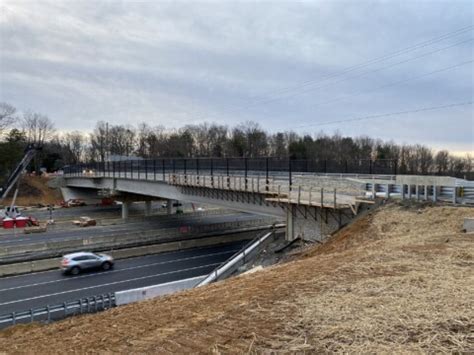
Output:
(344, 79)
(367, 72)
(358, 66)
(341, 98)
(382, 58)
(432, 108)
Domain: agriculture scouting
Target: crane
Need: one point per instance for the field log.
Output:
(14, 178)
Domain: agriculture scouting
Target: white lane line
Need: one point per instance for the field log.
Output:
(14, 240)
(120, 270)
(109, 284)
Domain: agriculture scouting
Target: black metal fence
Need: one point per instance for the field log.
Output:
(157, 169)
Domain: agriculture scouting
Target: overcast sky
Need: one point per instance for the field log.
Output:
(280, 63)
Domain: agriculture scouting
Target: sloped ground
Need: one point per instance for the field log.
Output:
(34, 190)
(399, 280)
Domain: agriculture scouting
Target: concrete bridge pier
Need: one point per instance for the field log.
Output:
(148, 208)
(290, 224)
(125, 209)
(169, 206)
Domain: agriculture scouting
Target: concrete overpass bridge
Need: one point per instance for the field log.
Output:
(312, 204)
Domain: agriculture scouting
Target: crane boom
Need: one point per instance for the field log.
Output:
(30, 153)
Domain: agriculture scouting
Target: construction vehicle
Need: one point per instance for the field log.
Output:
(11, 216)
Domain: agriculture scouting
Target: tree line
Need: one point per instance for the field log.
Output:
(207, 140)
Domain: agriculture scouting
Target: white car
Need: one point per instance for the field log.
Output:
(75, 263)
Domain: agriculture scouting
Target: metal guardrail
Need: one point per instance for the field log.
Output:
(59, 311)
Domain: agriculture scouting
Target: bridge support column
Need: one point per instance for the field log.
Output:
(290, 223)
(147, 208)
(125, 209)
(169, 207)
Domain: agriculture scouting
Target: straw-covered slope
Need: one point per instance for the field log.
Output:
(398, 280)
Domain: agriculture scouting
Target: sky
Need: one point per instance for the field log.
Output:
(307, 66)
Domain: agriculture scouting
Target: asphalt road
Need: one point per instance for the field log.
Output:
(20, 293)
(159, 222)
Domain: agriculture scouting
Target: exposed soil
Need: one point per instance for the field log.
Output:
(398, 280)
(34, 190)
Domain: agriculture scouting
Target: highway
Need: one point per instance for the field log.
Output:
(71, 232)
(100, 212)
(19, 293)
(89, 210)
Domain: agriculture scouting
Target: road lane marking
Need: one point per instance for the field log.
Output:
(109, 284)
(117, 271)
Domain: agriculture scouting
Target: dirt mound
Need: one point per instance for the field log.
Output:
(399, 280)
(34, 190)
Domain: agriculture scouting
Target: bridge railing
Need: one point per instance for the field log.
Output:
(157, 169)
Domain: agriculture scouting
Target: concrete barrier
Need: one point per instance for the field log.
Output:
(145, 293)
(469, 224)
(182, 244)
(29, 266)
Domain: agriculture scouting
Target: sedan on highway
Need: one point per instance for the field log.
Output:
(77, 262)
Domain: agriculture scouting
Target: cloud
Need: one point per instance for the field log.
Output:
(180, 62)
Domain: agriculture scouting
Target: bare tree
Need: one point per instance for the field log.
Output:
(74, 145)
(7, 115)
(278, 146)
(99, 142)
(122, 140)
(156, 141)
(38, 128)
(143, 133)
(442, 162)
(469, 164)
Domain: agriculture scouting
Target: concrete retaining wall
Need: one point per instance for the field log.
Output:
(145, 293)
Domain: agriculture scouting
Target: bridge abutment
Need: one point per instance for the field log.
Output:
(314, 224)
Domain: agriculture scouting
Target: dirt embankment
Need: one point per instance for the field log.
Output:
(398, 280)
(34, 190)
